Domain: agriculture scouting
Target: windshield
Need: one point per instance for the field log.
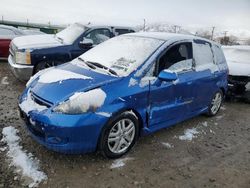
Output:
(122, 54)
(71, 33)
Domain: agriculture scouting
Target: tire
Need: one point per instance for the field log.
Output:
(43, 65)
(215, 103)
(117, 139)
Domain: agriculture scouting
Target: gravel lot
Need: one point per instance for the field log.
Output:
(219, 156)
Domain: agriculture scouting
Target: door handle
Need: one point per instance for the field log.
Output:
(189, 83)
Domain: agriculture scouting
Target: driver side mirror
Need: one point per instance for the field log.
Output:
(86, 43)
(166, 75)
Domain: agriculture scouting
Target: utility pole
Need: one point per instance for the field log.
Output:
(176, 27)
(144, 24)
(212, 36)
(2, 18)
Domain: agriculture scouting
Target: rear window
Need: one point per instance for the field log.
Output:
(123, 31)
(218, 55)
(202, 53)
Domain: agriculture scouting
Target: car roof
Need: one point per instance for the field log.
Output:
(105, 26)
(166, 36)
(11, 28)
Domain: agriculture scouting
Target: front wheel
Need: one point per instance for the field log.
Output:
(215, 104)
(119, 135)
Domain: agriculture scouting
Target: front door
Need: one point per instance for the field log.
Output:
(169, 102)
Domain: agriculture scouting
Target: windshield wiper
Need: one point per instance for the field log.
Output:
(87, 63)
(93, 65)
(59, 38)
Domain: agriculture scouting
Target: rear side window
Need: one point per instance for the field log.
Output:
(202, 53)
(123, 31)
(177, 58)
(219, 57)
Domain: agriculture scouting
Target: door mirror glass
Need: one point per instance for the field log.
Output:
(166, 75)
(86, 43)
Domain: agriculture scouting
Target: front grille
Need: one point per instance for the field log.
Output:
(40, 101)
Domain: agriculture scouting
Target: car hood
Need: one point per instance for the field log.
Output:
(36, 41)
(75, 79)
(238, 59)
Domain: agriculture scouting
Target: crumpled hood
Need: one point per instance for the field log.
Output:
(238, 68)
(77, 79)
(36, 41)
(238, 60)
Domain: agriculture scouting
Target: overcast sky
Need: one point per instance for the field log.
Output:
(233, 14)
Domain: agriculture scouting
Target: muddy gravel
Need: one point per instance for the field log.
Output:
(218, 156)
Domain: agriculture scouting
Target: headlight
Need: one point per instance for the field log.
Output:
(23, 57)
(82, 102)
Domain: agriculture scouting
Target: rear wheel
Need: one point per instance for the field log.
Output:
(119, 136)
(215, 104)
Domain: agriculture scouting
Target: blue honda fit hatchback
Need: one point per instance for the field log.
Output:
(128, 86)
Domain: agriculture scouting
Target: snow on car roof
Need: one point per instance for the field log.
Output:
(166, 36)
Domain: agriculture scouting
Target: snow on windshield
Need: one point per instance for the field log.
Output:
(71, 33)
(123, 54)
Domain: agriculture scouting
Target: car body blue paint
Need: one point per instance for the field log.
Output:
(159, 104)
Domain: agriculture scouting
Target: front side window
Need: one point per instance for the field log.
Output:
(98, 35)
(177, 58)
(123, 31)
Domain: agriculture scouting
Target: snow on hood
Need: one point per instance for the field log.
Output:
(238, 60)
(57, 85)
(59, 75)
(36, 41)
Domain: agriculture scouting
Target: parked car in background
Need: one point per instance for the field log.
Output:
(130, 85)
(7, 33)
(238, 58)
(30, 54)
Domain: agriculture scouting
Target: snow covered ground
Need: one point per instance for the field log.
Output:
(25, 164)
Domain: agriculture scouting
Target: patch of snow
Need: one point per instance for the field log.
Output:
(71, 33)
(25, 163)
(3, 149)
(204, 124)
(223, 108)
(56, 75)
(189, 134)
(28, 104)
(167, 145)
(4, 81)
(145, 80)
(176, 81)
(132, 82)
(118, 163)
(123, 54)
(219, 117)
(181, 65)
(83, 101)
(215, 123)
(105, 114)
(34, 77)
(35, 41)
(248, 86)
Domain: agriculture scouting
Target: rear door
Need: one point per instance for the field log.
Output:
(206, 75)
(169, 102)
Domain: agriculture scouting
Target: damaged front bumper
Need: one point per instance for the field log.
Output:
(239, 87)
